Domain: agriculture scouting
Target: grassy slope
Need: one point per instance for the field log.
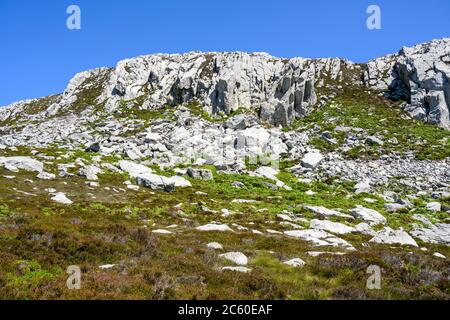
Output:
(376, 115)
(40, 239)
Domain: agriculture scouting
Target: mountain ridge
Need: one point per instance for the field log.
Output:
(215, 78)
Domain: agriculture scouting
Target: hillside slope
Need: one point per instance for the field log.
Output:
(232, 176)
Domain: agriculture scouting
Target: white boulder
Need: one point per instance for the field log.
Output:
(368, 215)
(60, 197)
(390, 236)
(236, 257)
(311, 160)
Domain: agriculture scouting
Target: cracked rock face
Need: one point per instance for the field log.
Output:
(221, 82)
(421, 76)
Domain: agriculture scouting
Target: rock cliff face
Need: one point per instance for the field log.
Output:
(280, 90)
(421, 76)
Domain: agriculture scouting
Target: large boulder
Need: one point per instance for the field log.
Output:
(133, 169)
(421, 76)
(201, 174)
(21, 163)
(90, 172)
(319, 238)
(311, 160)
(437, 234)
(60, 197)
(390, 236)
(370, 216)
(156, 182)
(236, 257)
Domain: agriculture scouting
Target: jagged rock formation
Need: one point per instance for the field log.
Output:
(420, 75)
(269, 90)
(222, 82)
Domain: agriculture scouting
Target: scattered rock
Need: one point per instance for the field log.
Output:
(214, 246)
(362, 187)
(390, 236)
(156, 182)
(90, 172)
(311, 160)
(95, 147)
(243, 201)
(161, 231)
(60, 197)
(21, 163)
(134, 169)
(237, 184)
(319, 238)
(46, 176)
(296, 263)
(333, 227)
(375, 141)
(237, 269)
(236, 257)
(368, 215)
(365, 228)
(214, 227)
(434, 206)
(394, 207)
(436, 234)
(201, 174)
(322, 212)
(439, 255)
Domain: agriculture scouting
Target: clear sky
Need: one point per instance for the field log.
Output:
(39, 55)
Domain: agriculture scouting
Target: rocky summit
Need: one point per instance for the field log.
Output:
(232, 176)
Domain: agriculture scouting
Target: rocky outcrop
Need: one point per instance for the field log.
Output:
(97, 111)
(419, 75)
(276, 90)
(221, 82)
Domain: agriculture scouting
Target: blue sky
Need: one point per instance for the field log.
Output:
(39, 54)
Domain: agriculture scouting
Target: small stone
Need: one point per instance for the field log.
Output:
(362, 187)
(374, 141)
(296, 263)
(390, 236)
(61, 198)
(333, 227)
(161, 231)
(201, 174)
(238, 184)
(243, 201)
(214, 246)
(394, 207)
(237, 269)
(95, 147)
(371, 216)
(46, 176)
(214, 227)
